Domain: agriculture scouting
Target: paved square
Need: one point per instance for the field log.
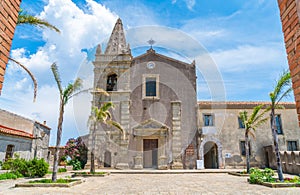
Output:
(188, 183)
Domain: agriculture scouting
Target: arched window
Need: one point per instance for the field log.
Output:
(111, 84)
(9, 151)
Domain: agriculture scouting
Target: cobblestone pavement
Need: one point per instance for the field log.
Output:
(175, 184)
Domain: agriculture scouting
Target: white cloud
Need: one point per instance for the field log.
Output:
(78, 30)
(190, 4)
(246, 57)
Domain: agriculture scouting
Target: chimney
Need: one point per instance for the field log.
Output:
(44, 123)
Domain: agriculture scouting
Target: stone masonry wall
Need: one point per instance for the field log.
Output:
(290, 15)
(8, 19)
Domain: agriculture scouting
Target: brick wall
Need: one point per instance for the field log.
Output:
(290, 18)
(8, 18)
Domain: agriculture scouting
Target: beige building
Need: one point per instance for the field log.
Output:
(222, 134)
(23, 136)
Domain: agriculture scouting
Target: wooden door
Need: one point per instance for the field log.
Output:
(150, 153)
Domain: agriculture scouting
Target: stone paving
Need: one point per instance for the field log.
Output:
(148, 184)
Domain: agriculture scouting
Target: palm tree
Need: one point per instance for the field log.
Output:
(101, 115)
(251, 123)
(282, 89)
(64, 96)
(24, 18)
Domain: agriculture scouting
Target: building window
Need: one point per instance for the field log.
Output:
(9, 151)
(208, 120)
(243, 148)
(292, 146)
(150, 86)
(111, 84)
(241, 123)
(278, 124)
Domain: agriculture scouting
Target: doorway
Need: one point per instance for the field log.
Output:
(107, 159)
(150, 147)
(211, 155)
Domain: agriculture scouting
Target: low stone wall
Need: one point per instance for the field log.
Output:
(290, 161)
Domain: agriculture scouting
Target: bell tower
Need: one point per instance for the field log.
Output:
(112, 73)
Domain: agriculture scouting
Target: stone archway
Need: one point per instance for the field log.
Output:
(219, 148)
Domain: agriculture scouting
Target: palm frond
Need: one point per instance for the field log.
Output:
(56, 75)
(31, 76)
(106, 106)
(281, 85)
(101, 91)
(254, 116)
(115, 124)
(67, 92)
(260, 122)
(75, 90)
(285, 94)
(252, 134)
(24, 18)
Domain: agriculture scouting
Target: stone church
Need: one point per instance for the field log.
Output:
(164, 125)
(155, 102)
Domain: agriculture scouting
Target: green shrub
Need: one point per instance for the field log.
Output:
(60, 180)
(76, 164)
(258, 176)
(31, 168)
(16, 165)
(61, 170)
(9, 175)
(37, 168)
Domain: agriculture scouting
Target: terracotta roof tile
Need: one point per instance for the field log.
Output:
(14, 132)
(239, 104)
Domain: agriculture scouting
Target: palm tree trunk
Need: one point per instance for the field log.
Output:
(247, 151)
(275, 139)
(59, 132)
(93, 150)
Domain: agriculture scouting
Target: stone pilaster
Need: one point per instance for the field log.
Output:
(125, 117)
(176, 135)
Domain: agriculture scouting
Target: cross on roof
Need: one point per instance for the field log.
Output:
(151, 42)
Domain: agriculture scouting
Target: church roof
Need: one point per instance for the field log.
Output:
(117, 42)
(152, 52)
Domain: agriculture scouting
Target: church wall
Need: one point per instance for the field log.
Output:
(176, 83)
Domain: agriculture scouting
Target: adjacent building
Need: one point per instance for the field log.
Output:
(28, 138)
(222, 134)
(9, 10)
(290, 18)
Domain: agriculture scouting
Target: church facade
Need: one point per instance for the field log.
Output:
(155, 102)
(164, 126)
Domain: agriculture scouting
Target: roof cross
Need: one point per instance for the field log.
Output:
(151, 42)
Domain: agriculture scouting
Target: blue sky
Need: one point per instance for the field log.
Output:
(243, 39)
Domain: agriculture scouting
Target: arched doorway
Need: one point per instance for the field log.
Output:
(107, 159)
(211, 155)
(210, 150)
